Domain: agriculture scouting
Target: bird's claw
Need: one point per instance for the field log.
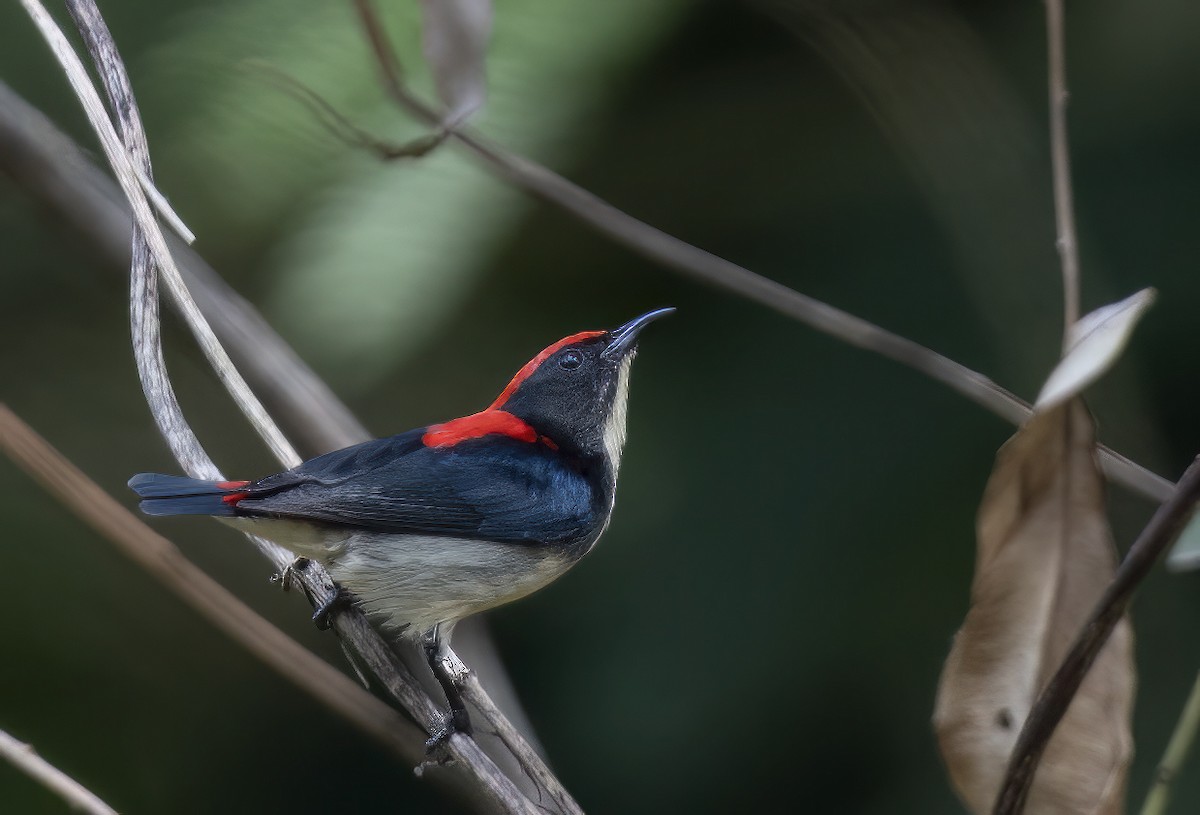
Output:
(287, 577)
(437, 745)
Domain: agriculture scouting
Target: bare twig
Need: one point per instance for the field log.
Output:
(694, 262)
(341, 128)
(1175, 754)
(1054, 699)
(25, 758)
(129, 156)
(166, 563)
(1060, 158)
(493, 786)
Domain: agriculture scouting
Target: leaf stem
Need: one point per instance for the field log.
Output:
(1060, 160)
(1175, 754)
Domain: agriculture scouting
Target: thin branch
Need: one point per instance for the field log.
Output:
(163, 560)
(1176, 753)
(1054, 699)
(129, 156)
(699, 264)
(25, 758)
(1060, 159)
(338, 126)
(493, 785)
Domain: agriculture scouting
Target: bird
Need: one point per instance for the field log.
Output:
(428, 527)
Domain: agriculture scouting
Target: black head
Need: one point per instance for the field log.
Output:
(574, 392)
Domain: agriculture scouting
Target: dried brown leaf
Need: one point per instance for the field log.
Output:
(1044, 556)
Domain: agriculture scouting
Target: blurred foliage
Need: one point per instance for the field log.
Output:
(406, 242)
(764, 624)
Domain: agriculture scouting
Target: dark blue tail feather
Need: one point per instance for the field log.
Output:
(179, 495)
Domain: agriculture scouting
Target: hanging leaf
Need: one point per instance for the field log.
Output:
(1095, 343)
(454, 38)
(1044, 556)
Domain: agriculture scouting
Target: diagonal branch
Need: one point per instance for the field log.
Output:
(25, 758)
(706, 267)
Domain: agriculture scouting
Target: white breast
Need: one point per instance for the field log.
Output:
(419, 582)
(414, 582)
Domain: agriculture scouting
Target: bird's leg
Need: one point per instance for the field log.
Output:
(450, 673)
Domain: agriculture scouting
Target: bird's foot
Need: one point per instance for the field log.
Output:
(437, 746)
(340, 600)
(287, 577)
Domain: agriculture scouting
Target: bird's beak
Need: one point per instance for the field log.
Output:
(622, 340)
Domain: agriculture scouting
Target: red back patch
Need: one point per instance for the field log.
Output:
(476, 426)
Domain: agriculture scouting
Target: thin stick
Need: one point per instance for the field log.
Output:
(1054, 699)
(1060, 159)
(1176, 753)
(163, 560)
(25, 758)
(127, 176)
(696, 263)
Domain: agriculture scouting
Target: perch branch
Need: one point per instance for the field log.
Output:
(25, 758)
(1164, 527)
(53, 169)
(704, 266)
(496, 788)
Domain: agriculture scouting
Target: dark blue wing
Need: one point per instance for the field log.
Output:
(494, 488)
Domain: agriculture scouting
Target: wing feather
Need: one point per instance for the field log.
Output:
(492, 488)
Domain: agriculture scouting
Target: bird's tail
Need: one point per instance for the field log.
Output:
(179, 495)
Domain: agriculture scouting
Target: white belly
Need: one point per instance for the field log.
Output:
(412, 582)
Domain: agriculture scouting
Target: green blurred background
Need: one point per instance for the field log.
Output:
(763, 626)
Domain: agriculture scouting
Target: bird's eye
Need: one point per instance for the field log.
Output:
(570, 359)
